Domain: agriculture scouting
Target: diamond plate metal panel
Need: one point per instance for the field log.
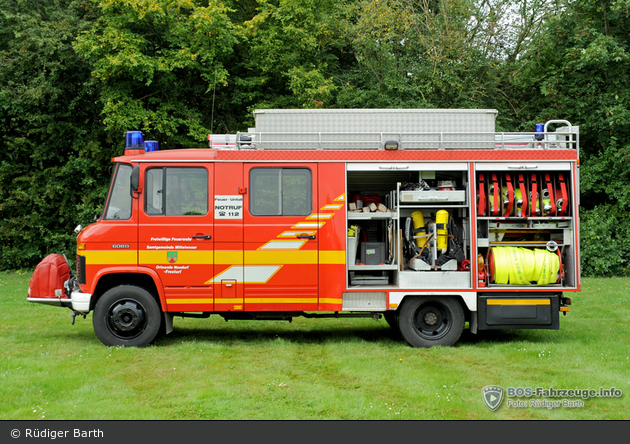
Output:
(368, 301)
(370, 128)
(376, 120)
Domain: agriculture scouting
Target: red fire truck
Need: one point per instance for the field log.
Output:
(428, 218)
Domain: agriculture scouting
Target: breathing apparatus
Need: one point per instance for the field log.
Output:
(439, 236)
(417, 240)
(441, 222)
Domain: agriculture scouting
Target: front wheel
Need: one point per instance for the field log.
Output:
(429, 321)
(127, 316)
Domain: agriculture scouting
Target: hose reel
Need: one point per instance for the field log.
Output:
(524, 266)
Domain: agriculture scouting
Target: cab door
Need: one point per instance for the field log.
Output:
(281, 228)
(228, 230)
(176, 232)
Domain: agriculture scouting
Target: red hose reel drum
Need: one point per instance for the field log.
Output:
(49, 275)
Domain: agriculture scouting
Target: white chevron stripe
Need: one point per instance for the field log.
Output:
(250, 274)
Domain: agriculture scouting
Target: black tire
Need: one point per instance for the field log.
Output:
(430, 321)
(127, 316)
(391, 317)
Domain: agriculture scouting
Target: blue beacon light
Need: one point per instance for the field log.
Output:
(134, 140)
(151, 145)
(540, 130)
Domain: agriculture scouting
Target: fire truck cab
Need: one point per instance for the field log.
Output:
(427, 218)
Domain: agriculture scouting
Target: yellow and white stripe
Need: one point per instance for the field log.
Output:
(250, 274)
(316, 216)
(283, 245)
(308, 225)
(295, 233)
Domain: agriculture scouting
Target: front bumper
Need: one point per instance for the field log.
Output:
(78, 301)
(81, 301)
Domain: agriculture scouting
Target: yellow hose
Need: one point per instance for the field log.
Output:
(501, 274)
(518, 202)
(522, 266)
(506, 201)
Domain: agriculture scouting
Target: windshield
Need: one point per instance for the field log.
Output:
(119, 199)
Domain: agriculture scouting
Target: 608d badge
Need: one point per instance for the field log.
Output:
(492, 396)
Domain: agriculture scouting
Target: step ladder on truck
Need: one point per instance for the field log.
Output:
(426, 218)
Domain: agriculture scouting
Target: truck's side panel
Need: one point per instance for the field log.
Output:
(332, 239)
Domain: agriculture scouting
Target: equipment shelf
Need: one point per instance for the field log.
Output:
(373, 267)
(371, 216)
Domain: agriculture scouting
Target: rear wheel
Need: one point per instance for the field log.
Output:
(391, 317)
(127, 316)
(429, 321)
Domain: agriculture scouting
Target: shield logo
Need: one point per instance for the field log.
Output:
(171, 257)
(492, 396)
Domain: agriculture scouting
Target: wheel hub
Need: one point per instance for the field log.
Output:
(430, 318)
(127, 318)
(431, 321)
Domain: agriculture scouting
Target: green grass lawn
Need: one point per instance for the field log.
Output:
(308, 369)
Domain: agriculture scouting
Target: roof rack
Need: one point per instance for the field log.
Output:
(564, 137)
(405, 141)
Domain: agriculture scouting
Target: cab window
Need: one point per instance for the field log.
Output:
(176, 191)
(280, 192)
(119, 201)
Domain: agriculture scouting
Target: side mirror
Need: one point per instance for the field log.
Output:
(135, 179)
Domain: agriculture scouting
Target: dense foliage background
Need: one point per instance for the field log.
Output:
(76, 74)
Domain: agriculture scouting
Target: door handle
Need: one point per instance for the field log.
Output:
(305, 236)
(202, 236)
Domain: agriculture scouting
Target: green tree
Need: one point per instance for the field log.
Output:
(437, 53)
(578, 70)
(157, 63)
(288, 55)
(52, 167)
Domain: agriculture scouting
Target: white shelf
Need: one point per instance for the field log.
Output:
(433, 197)
(373, 267)
(371, 216)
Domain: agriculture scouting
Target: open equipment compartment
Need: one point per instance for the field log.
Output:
(372, 257)
(417, 233)
(525, 225)
(435, 225)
